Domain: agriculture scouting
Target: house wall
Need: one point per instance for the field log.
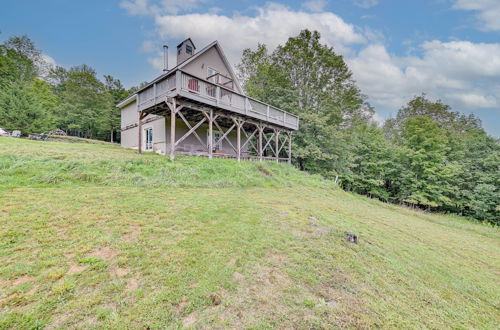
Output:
(210, 58)
(161, 133)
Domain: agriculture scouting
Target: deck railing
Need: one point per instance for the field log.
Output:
(215, 95)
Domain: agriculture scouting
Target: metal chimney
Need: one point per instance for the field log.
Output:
(165, 58)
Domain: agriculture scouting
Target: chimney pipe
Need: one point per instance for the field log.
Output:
(165, 58)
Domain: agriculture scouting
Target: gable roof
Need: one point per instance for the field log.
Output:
(223, 57)
(184, 63)
(188, 39)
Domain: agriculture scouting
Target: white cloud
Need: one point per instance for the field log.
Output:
(488, 12)
(474, 100)
(136, 7)
(462, 73)
(271, 25)
(314, 5)
(366, 3)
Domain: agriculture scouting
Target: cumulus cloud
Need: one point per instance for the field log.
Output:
(272, 25)
(314, 5)
(462, 73)
(488, 12)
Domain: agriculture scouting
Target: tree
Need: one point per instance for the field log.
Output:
(22, 108)
(116, 93)
(84, 103)
(309, 79)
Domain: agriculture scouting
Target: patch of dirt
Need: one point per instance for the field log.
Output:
(57, 320)
(182, 305)
(237, 276)
(216, 299)
(121, 272)
(32, 291)
(194, 285)
(232, 262)
(105, 253)
(62, 233)
(189, 320)
(23, 279)
(75, 269)
(4, 283)
(131, 236)
(132, 285)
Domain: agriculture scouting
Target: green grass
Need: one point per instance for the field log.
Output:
(94, 236)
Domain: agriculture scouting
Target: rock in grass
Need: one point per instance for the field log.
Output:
(351, 238)
(216, 300)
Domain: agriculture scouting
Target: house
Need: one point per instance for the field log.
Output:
(199, 108)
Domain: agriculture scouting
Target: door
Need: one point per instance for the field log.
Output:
(149, 138)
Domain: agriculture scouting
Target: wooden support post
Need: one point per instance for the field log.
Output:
(210, 134)
(289, 148)
(166, 134)
(277, 153)
(261, 132)
(173, 110)
(139, 143)
(238, 137)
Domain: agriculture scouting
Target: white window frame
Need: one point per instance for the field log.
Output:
(209, 75)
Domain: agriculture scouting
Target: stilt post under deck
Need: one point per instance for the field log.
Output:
(289, 148)
(210, 134)
(173, 111)
(238, 136)
(139, 142)
(277, 152)
(260, 151)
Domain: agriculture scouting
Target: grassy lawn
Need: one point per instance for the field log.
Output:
(94, 236)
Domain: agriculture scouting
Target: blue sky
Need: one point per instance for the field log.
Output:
(449, 49)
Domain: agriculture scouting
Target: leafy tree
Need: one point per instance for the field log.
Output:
(309, 79)
(84, 102)
(116, 93)
(22, 108)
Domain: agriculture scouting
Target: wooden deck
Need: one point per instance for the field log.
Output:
(182, 84)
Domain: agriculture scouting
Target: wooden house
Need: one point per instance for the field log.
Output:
(199, 108)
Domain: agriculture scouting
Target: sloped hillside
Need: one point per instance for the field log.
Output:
(94, 236)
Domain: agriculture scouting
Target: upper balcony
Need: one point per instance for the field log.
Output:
(215, 93)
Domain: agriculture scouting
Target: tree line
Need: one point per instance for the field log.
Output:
(427, 157)
(35, 97)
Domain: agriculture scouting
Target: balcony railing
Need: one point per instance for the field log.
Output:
(201, 90)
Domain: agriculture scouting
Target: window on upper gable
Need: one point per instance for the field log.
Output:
(189, 50)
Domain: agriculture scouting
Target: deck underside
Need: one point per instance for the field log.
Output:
(256, 139)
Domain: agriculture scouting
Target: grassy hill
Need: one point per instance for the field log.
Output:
(95, 236)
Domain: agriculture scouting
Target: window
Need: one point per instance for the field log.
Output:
(149, 138)
(189, 50)
(211, 74)
(179, 50)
